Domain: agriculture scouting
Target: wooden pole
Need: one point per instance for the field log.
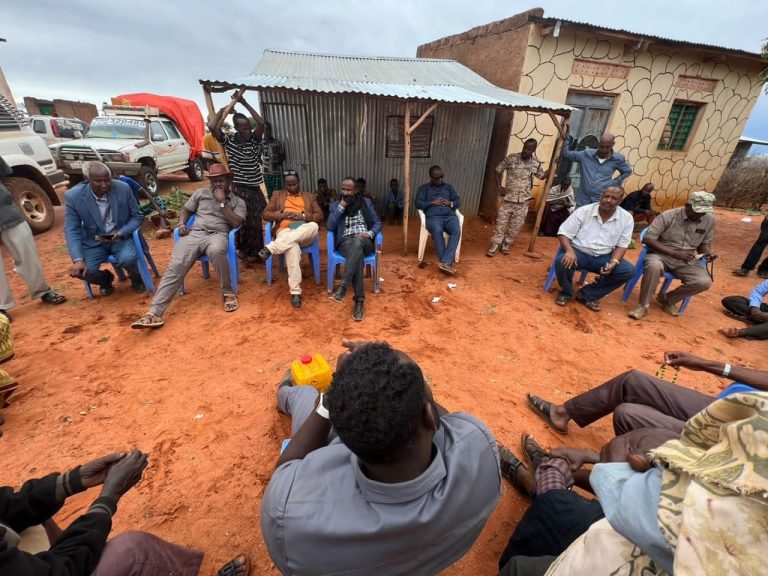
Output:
(424, 116)
(209, 102)
(562, 129)
(407, 208)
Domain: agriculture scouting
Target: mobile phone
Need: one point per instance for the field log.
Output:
(106, 236)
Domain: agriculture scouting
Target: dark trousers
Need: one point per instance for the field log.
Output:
(355, 249)
(739, 306)
(605, 285)
(436, 227)
(757, 250)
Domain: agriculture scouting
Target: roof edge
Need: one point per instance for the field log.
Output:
(357, 57)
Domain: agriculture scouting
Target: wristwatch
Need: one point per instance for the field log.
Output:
(321, 410)
(222, 204)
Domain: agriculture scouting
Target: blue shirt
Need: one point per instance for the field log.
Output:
(428, 193)
(757, 295)
(596, 176)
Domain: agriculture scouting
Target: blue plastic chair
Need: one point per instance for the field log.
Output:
(142, 248)
(668, 277)
(371, 261)
(734, 388)
(551, 276)
(234, 270)
(313, 251)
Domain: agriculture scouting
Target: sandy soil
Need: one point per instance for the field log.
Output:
(198, 395)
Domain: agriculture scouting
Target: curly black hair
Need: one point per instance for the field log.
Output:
(375, 403)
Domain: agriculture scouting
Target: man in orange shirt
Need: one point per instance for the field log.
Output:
(298, 214)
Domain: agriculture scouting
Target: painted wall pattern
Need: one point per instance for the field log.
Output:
(642, 102)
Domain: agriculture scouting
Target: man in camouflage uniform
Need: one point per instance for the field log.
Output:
(520, 169)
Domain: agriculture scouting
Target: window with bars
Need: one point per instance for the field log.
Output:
(679, 126)
(421, 139)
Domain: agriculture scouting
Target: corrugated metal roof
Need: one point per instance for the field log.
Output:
(550, 21)
(753, 141)
(402, 78)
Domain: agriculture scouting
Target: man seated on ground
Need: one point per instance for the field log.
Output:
(377, 468)
(394, 202)
(16, 237)
(439, 202)
(638, 203)
(640, 401)
(82, 549)
(595, 238)
(752, 311)
(324, 196)
(217, 211)
(676, 240)
(355, 224)
(101, 216)
(297, 216)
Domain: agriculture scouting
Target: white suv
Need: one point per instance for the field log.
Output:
(133, 140)
(54, 130)
(34, 177)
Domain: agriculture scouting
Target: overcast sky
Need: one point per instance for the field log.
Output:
(92, 50)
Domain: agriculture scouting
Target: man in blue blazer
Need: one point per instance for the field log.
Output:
(101, 216)
(355, 223)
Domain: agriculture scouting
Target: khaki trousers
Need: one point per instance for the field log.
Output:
(289, 242)
(21, 246)
(509, 221)
(694, 278)
(183, 257)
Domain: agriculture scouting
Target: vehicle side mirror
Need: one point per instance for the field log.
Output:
(77, 134)
(157, 138)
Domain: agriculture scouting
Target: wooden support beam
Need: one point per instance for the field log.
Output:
(562, 129)
(209, 102)
(424, 116)
(407, 207)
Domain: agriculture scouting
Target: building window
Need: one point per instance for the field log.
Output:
(679, 126)
(421, 139)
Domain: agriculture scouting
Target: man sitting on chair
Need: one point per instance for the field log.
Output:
(297, 214)
(676, 239)
(101, 216)
(355, 224)
(217, 210)
(439, 202)
(595, 238)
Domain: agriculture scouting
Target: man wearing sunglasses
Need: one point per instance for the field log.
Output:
(296, 215)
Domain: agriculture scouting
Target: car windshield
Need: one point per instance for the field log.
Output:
(116, 128)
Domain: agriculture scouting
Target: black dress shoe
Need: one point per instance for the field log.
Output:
(138, 287)
(357, 313)
(106, 289)
(296, 300)
(339, 293)
(264, 254)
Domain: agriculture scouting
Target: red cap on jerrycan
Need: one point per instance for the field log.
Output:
(306, 359)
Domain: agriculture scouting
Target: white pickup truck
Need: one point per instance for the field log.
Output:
(134, 140)
(34, 177)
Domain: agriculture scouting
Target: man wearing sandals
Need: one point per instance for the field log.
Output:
(378, 478)
(217, 211)
(595, 238)
(16, 237)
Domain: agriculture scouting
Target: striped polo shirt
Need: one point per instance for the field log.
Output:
(243, 160)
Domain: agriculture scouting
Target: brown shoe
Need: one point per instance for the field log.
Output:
(668, 308)
(533, 452)
(446, 269)
(740, 272)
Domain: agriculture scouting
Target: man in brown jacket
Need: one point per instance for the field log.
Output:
(297, 215)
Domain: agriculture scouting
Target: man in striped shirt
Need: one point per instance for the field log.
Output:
(243, 154)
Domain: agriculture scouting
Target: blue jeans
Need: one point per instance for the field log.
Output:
(436, 227)
(605, 285)
(124, 252)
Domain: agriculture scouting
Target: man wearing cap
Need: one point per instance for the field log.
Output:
(217, 210)
(676, 240)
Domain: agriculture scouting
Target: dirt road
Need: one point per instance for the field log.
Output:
(199, 395)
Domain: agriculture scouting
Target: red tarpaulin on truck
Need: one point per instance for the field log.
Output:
(185, 114)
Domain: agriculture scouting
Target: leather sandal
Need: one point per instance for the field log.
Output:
(510, 464)
(543, 409)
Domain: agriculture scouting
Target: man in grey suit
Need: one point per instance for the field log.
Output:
(101, 216)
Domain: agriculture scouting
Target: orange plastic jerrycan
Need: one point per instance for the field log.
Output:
(312, 371)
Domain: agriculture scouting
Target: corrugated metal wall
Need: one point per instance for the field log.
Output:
(333, 136)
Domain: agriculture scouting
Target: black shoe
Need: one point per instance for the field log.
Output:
(138, 287)
(763, 274)
(296, 300)
(106, 288)
(264, 254)
(357, 313)
(339, 293)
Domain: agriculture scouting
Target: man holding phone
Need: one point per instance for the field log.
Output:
(101, 216)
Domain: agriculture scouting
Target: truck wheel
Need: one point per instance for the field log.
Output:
(33, 201)
(148, 179)
(195, 170)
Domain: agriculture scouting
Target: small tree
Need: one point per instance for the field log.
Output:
(745, 185)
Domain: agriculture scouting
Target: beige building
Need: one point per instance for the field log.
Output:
(677, 108)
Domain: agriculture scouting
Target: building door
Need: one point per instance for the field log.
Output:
(588, 122)
(289, 126)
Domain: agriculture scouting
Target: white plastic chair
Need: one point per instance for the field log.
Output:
(424, 234)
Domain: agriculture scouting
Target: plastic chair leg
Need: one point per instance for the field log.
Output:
(423, 236)
(88, 290)
(152, 264)
(206, 269)
(315, 256)
(331, 273)
(268, 266)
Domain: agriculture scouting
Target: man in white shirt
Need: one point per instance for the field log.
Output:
(595, 238)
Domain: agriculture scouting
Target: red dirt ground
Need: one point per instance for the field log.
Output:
(199, 395)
